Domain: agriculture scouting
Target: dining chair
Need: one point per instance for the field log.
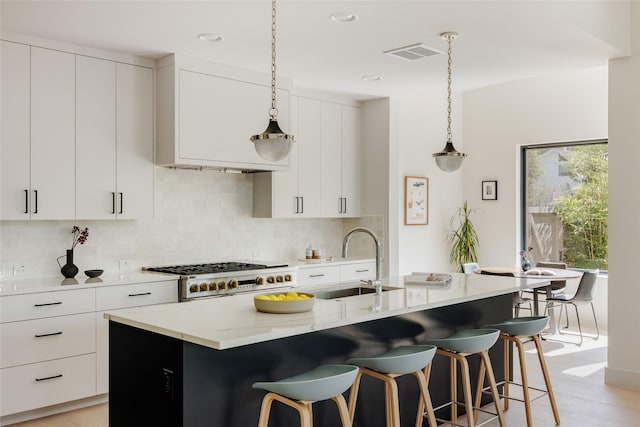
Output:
(470, 267)
(519, 301)
(583, 296)
(556, 286)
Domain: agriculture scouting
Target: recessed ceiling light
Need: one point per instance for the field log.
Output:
(343, 17)
(210, 37)
(372, 78)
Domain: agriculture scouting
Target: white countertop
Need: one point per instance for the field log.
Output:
(232, 321)
(18, 286)
(330, 261)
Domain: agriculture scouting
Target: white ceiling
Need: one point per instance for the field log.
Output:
(499, 41)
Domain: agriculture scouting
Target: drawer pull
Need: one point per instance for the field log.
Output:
(140, 294)
(48, 335)
(362, 271)
(316, 275)
(48, 303)
(49, 378)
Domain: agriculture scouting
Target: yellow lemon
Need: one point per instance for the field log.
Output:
(292, 294)
(264, 297)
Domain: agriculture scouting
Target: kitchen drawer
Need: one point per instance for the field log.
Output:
(359, 271)
(139, 294)
(32, 341)
(46, 304)
(318, 275)
(42, 384)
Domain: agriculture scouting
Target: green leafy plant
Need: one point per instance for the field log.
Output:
(463, 238)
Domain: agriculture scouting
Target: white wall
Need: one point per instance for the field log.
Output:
(200, 216)
(624, 204)
(496, 120)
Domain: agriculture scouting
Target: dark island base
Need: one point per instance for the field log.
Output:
(161, 381)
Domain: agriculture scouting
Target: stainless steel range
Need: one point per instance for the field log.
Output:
(228, 278)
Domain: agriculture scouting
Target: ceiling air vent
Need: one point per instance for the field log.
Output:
(413, 52)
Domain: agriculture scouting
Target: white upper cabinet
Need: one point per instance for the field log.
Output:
(134, 161)
(325, 180)
(207, 113)
(15, 63)
(95, 138)
(53, 134)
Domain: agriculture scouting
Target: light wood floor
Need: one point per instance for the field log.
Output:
(577, 374)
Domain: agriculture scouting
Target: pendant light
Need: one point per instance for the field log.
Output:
(273, 144)
(449, 159)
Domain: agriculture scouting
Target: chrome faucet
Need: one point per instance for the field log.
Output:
(377, 283)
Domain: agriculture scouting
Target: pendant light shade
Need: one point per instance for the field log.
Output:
(449, 159)
(273, 144)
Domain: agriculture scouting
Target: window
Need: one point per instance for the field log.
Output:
(564, 203)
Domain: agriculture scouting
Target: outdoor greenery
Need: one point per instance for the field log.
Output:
(463, 238)
(584, 210)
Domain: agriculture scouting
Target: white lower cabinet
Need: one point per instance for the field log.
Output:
(318, 275)
(36, 385)
(357, 271)
(54, 346)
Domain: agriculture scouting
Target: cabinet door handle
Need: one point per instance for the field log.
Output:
(113, 203)
(339, 204)
(302, 204)
(316, 275)
(121, 202)
(49, 378)
(362, 271)
(48, 335)
(48, 303)
(35, 193)
(26, 201)
(345, 205)
(140, 294)
(297, 205)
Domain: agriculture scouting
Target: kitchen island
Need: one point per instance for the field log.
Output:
(192, 364)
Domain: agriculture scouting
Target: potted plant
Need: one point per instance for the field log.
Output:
(463, 237)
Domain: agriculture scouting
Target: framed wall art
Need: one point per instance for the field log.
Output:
(489, 190)
(416, 200)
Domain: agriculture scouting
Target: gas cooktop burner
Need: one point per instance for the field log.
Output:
(207, 268)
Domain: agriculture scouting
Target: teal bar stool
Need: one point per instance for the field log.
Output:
(403, 360)
(457, 347)
(515, 330)
(301, 391)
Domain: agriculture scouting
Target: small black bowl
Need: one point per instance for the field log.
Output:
(93, 273)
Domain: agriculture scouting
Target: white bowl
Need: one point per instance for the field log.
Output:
(283, 306)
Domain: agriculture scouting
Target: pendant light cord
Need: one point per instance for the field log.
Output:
(449, 136)
(274, 110)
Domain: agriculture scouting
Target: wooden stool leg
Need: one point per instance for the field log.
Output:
(393, 403)
(454, 389)
(353, 395)
(265, 410)
(478, 400)
(505, 344)
(420, 414)
(466, 387)
(425, 400)
(306, 416)
(525, 381)
(484, 355)
(547, 380)
(342, 410)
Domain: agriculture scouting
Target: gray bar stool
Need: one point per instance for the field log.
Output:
(515, 330)
(403, 360)
(301, 391)
(457, 347)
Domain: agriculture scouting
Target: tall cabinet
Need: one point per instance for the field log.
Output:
(77, 136)
(38, 133)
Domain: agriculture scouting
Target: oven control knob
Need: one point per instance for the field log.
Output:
(204, 287)
(259, 280)
(213, 286)
(233, 284)
(222, 285)
(279, 278)
(288, 278)
(194, 288)
(270, 279)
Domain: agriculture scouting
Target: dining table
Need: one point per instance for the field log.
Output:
(553, 274)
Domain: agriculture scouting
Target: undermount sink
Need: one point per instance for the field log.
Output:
(349, 292)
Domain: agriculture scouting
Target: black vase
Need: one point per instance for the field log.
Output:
(69, 270)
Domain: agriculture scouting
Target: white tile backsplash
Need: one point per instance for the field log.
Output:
(199, 216)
